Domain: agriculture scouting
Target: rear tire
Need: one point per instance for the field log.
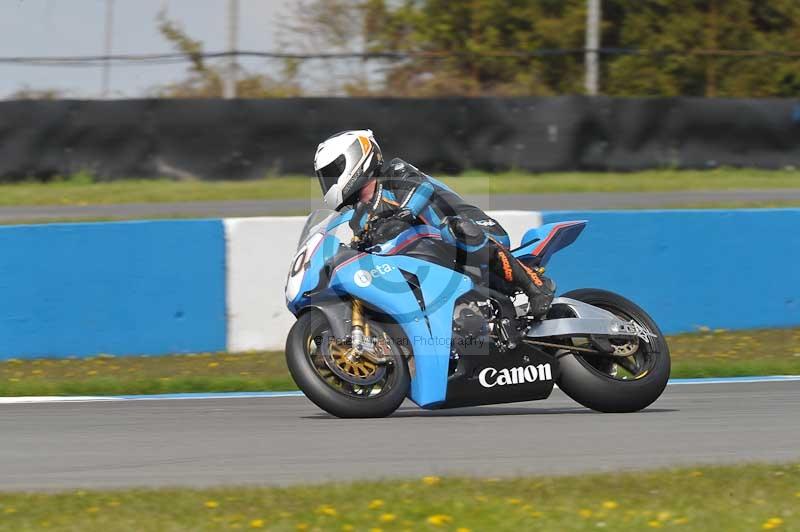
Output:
(587, 385)
(314, 325)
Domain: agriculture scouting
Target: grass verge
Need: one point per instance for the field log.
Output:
(83, 190)
(706, 354)
(737, 498)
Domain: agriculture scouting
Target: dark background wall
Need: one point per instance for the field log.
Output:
(243, 139)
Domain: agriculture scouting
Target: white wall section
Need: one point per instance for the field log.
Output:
(258, 252)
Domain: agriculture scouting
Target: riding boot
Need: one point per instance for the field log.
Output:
(539, 289)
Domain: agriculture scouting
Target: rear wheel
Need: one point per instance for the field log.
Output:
(339, 381)
(627, 382)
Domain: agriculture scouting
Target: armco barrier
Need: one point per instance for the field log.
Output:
(733, 269)
(121, 288)
(183, 286)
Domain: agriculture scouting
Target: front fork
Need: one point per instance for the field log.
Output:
(360, 334)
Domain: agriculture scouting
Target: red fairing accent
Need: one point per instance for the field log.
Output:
(348, 261)
(414, 239)
(543, 244)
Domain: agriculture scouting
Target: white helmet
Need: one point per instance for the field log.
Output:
(344, 163)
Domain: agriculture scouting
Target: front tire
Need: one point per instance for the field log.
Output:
(333, 392)
(593, 381)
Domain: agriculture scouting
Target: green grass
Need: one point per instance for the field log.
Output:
(731, 499)
(83, 190)
(705, 354)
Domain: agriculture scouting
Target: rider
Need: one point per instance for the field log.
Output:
(388, 198)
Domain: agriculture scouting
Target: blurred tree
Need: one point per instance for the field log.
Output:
(705, 26)
(465, 42)
(205, 80)
(28, 93)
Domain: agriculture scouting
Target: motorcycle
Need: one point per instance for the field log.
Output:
(411, 318)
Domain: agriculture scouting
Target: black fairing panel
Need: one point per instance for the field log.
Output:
(465, 389)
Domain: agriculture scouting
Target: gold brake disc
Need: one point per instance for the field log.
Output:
(350, 366)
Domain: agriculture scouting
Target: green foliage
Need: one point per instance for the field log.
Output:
(473, 46)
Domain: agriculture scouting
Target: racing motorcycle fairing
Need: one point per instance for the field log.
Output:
(541, 243)
(419, 297)
(420, 294)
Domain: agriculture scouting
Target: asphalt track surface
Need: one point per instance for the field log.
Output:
(281, 441)
(246, 208)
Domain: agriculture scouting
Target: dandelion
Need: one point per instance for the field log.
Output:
(654, 524)
(376, 530)
(211, 504)
(93, 509)
(326, 509)
(610, 505)
(797, 494)
(10, 510)
(348, 528)
(431, 480)
(535, 514)
(585, 513)
(388, 518)
(514, 501)
(257, 523)
(696, 474)
(772, 522)
(439, 519)
(301, 526)
(663, 516)
(213, 364)
(463, 529)
(375, 504)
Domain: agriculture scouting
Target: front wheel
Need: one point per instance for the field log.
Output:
(620, 383)
(339, 381)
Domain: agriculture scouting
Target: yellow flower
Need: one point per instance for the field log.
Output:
(348, 528)
(388, 518)
(92, 372)
(680, 521)
(257, 523)
(514, 501)
(585, 513)
(610, 505)
(326, 509)
(463, 529)
(114, 503)
(663, 516)
(375, 530)
(93, 509)
(439, 519)
(696, 474)
(375, 504)
(301, 526)
(10, 510)
(772, 522)
(431, 481)
(536, 515)
(797, 494)
(213, 364)
(654, 524)
(211, 504)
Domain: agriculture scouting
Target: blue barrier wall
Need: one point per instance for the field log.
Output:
(720, 269)
(122, 288)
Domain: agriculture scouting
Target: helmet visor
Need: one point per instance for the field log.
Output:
(329, 175)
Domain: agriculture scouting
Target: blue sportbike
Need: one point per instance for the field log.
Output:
(413, 318)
